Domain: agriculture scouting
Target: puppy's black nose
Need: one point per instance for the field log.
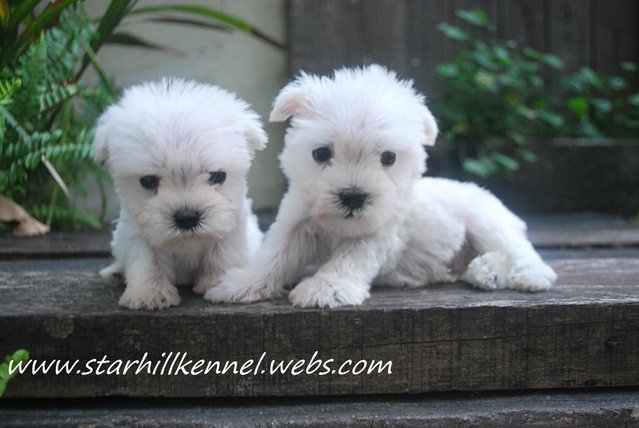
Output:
(186, 218)
(352, 198)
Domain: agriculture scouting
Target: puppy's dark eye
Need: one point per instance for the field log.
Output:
(388, 158)
(150, 182)
(322, 154)
(217, 177)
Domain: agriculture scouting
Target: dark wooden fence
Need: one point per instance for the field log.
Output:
(403, 35)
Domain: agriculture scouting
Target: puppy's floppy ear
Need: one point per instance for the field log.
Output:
(429, 126)
(100, 147)
(288, 103)
(255, 134)
(295, 98)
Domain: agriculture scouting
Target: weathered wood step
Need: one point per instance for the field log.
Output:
(545, 231)
(582, 333)
(548, 409)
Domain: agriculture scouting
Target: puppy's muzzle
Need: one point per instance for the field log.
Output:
(186, 218)
(352, 198)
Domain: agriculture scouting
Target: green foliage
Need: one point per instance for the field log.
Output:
(600, 106)
(46, 114)
(493, 90)
(40, 118)
(19, 355)
(496, 93)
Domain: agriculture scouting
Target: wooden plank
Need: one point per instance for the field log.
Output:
(615, 35)
(582, 333)
(545, 231)
(523, 21)
(329, 35)
(568, 27)
(572, 178)
(575, 238)
(550, 409)
(56, 245)
(427, 47)
(403, 34)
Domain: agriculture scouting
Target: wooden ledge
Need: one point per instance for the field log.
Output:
(582, 333)
(546, 408)
(545, 231)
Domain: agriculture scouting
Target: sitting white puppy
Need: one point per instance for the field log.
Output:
(358, 205)
(179, 153)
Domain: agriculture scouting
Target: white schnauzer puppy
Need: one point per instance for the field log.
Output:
(179, 153)
(358, 206)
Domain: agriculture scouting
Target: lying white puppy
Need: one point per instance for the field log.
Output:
(178, 152)
(358, 205)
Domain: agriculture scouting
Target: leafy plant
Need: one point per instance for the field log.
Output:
(493, 90)
(5, 376)
(600, 106)
(46, 114)
(496, 93)
(45, 142)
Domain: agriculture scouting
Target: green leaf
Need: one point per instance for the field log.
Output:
(617, 83)
(601, 105)
(532, 53)
(447, 70)
(527, 155)
(197, 10)
(516, 137)
(18, 356)
(188, 22)
(132, 40)
(214, 15)
(552, 119)
(589, 76)
(475, 17)
(578, 105)
(536, 81)
(486, 80)
(526, 112)
(454, 33)
(4, 13)
(111, 18)
(480, 167)
(44, 20)
(502, 54)
(506, 162)
(553, 61)
(628, 66)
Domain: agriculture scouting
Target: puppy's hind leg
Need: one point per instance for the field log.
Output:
(488, 271)
(507, 258)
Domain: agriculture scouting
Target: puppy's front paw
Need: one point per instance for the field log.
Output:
(327, 290)
(113, 274)
(239, 286)
(152, 297)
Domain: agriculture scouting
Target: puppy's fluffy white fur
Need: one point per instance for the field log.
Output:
(410, 231)
(180, 132)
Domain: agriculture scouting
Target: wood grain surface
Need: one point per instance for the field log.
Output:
(582, 333)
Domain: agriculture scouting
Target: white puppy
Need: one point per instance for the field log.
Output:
(358, 205)
(179, 153)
